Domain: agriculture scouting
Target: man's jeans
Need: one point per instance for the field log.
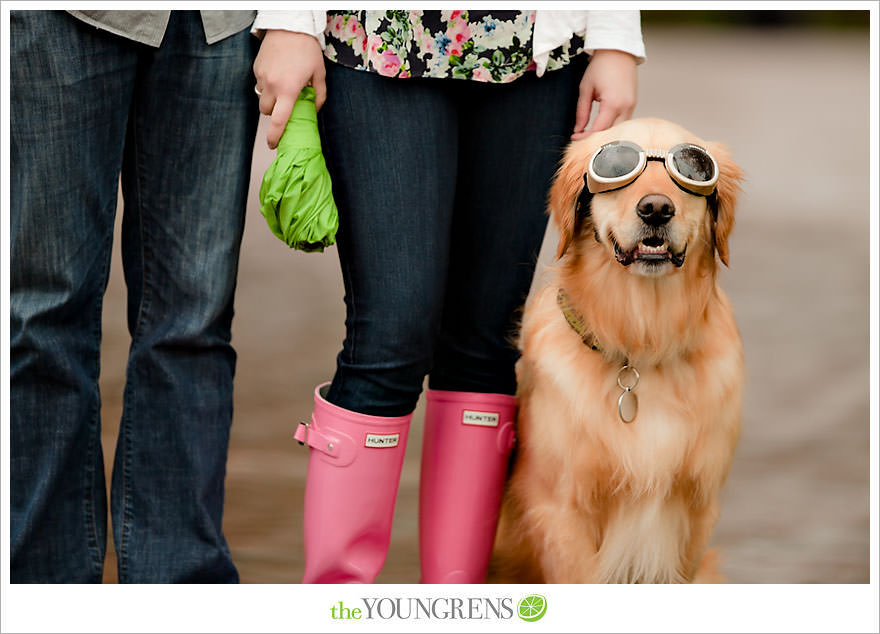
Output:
(179, 122)
(441, 186)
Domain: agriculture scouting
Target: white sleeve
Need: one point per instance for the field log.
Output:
(311, 22)
(618, 30)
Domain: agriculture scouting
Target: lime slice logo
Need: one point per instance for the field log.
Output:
(532, 608)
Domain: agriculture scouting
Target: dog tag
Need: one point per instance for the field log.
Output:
(627, 402)
(628, 405)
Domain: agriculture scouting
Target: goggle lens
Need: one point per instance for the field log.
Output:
(693, 163)
(616, 160)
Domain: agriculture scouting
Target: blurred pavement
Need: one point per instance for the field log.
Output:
(793, 107)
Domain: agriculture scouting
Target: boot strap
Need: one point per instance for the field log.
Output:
(335, 445)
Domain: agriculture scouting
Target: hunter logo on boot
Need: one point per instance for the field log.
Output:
(382, 440)
(483, 419)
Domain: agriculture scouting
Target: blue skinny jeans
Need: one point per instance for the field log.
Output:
(441, 186)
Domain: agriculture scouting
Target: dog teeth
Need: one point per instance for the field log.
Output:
(646, 249)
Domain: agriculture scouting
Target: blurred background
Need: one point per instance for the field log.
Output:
(788, 91)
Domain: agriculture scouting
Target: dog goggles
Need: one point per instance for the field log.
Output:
(617, 164)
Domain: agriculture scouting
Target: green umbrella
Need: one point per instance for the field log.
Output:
(296, 197)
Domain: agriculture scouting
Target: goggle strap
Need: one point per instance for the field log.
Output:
(582, 208)
(712, 202)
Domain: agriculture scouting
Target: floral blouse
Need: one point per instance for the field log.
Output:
(487, 46)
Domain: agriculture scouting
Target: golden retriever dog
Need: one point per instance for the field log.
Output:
(631, 371)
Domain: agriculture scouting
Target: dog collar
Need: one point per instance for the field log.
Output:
(576, 322)
(627, 376)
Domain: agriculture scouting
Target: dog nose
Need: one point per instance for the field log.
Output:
(655, 209)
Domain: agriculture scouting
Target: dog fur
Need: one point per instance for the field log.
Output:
(592, 499)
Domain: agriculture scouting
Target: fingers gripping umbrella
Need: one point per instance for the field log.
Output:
(296, 197)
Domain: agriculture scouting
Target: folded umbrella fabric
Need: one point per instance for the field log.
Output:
(296, 196)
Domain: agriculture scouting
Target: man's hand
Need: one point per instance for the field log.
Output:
(611, 79)
(287, 63)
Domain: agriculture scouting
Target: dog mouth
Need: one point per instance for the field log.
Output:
(652, 250)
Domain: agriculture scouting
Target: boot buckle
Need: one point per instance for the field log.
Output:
(302, 433)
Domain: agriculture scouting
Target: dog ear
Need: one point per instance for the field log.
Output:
(569, 197)
(722, 203)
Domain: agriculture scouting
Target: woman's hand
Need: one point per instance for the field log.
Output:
(287, 63)
(611, 79)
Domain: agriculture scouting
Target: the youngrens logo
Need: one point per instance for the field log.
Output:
(530, 608)
(438, 608)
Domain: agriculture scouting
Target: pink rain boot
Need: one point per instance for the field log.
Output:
(351, 486)
(467, 441)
